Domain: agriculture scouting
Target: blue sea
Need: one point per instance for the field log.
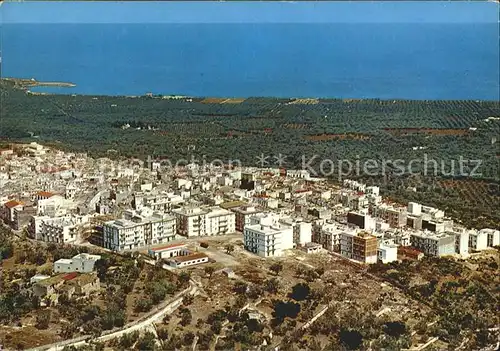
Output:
(346, 60)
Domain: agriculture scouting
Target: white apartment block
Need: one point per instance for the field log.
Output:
(387, 252)
(55, 205)
(265, 218)
(298, 173)
(82, 263)
(462, 243)
(266, 240)
(399, 237)
(493, 237)
(328, 235)
(243, 214)
(302, 231)
(431, 212)
(163, 202)
(483, 239)
(372, 190)
(414, 209)
(354, 185)
(136, 231)
(219, 221)
(204, 222)
(56, 229)
(433, 244)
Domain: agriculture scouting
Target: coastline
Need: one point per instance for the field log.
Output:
(25, 84)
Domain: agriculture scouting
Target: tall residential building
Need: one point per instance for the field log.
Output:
(137, 231)
(396, 217)
(266, 240)
(56, 229)
(433, 244)
(362, 246)
(190, 221)
(462, 242)
(219, 221)
(414, 222)
(328, 235)
(242, 216)
(202, 222)
(302, 231)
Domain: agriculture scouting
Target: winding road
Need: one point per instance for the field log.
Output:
(138, 325)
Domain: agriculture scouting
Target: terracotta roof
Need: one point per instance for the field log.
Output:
(187, 258)
(166, 247)
(12, 204)
(409, 250)
(70, 276)
(302, 190)
(44, 194)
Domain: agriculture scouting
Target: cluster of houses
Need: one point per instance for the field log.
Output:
(73, 277)
(66, 198)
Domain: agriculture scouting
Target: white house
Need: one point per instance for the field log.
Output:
(483, 239)
(157, 202)
(188, 260)
(82, 263)
(168, 251)
(311, 248)
(387, 252)
(51, 204)
(493, 237)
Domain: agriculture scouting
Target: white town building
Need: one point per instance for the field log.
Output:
(204, 222)
(433, 244)
(82, 263)
(168, 251)
(268, 240)
(137, 231)
(60, 230)
(483, 239)
(387, 252)
(188, 260)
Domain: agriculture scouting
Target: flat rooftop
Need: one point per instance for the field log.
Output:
(195, 256)
(168, 247)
